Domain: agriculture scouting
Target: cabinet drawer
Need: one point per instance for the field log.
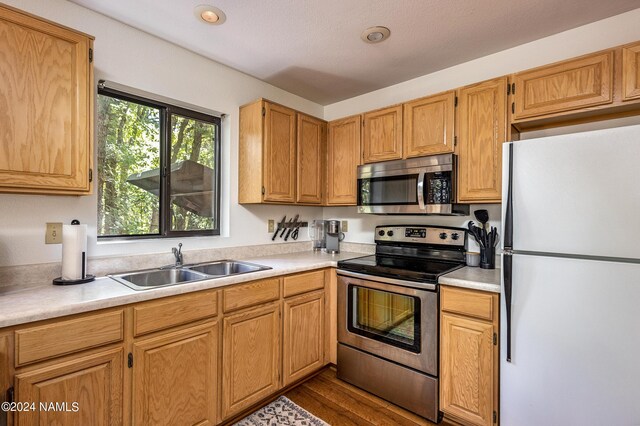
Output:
(166, 313)
(468, 302)
(303, 283)
(251, 294)
(63, 337)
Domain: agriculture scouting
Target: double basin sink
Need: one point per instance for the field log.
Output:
(162, 277)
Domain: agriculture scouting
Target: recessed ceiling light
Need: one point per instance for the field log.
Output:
(209, 14)
(375, 34)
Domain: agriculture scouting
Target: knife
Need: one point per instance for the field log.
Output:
(293, 225)
(280, 226)
(285, 226)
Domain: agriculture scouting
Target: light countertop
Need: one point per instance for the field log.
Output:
(473, 278)
(20, 305)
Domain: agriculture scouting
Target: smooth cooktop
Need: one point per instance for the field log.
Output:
(405, 268)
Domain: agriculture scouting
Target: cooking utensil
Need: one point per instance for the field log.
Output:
(294, 234)
(280, 226)
(483, 217)
(291, 226)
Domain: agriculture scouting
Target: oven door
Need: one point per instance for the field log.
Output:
(391, 321)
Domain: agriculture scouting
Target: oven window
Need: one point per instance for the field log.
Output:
(385, 316)
(390, 190)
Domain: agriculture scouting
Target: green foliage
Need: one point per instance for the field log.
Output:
(128, 136)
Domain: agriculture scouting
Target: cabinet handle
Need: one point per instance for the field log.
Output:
(130, 360)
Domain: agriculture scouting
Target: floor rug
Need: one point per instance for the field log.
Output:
(283, 412)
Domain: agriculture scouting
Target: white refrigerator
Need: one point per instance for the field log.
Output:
(570, 302)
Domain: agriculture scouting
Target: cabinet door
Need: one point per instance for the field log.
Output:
(343, 159)
(382, 138)
(251, 358)
(94, 382)
(467, 369)
(428, 125)
(311, 142)
(46, 104)
(303, 336)
(569, 85)
(631, 72)
(175, 377)
(279, 153)
(482, 128)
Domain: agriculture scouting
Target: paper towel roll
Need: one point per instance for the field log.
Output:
(74, 250)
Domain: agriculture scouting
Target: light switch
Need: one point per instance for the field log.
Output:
(54, 233)
(272, 224)
(345, 226)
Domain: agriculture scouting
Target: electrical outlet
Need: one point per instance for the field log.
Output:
(345, 226)
(54, 233)
(272, 225)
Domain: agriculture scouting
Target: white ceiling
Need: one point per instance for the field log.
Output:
(313, 48)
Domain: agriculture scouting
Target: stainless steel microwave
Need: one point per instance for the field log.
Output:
(424, 185)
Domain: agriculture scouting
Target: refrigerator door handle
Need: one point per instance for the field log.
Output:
(507, 275)
(507, 270)
(508, 220)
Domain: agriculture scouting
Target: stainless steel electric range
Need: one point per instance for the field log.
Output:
(388, 311)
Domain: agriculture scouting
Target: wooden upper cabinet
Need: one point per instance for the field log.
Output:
(94, 382)
(279, 153)
(343, 159)
(428, 125)
(311, 141)
(267, 153)
(382, 135)
(175, 378)
(482, 128)
(46, 106)
(631, 72)
(570, 85)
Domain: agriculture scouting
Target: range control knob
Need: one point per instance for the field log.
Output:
(443, 235)
(389, 233)
(455, 236)
(381, 233)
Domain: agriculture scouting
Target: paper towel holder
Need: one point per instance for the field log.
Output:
(87, 277)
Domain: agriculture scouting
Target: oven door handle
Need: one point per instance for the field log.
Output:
(420, 189)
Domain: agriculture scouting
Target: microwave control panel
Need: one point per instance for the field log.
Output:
(421, 234)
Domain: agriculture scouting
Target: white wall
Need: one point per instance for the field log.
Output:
(599, 35)
(134, 58)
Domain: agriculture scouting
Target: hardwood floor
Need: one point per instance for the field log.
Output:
(338, 403)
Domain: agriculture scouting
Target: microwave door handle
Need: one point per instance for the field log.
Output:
(420, 189)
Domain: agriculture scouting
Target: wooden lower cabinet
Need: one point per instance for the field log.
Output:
(94, 382)
(175, 377)
(469, 357)
(251, 357)
(303, 337)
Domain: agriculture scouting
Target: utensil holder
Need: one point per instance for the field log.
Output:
(488, 257)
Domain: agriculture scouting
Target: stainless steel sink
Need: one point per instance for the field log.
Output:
(162, 277)
(158, 278)
(227, 267)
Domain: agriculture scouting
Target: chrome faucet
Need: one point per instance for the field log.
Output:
(177, 252)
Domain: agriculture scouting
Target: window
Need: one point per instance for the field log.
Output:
(158, 168)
